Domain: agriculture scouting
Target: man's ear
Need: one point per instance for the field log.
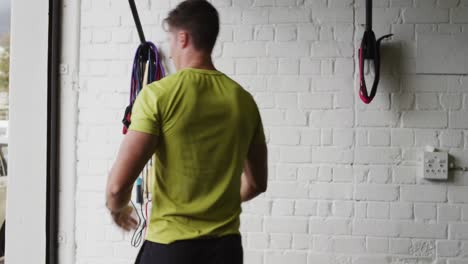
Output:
(183, 38)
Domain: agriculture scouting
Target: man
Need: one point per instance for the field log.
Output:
(205, 130)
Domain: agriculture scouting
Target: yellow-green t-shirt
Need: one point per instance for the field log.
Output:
(205, 123)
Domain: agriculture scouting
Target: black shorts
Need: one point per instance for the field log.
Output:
(222, 250)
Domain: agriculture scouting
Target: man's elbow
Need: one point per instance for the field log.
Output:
(115, 190)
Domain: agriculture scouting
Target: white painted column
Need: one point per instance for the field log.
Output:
(27, 179)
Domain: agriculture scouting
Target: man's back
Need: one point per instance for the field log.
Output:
(205, 123)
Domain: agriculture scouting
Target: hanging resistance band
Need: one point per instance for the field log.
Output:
(369, 50)
(146, 57)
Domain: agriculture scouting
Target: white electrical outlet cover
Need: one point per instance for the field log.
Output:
(435, 165)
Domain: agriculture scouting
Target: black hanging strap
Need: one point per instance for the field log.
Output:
(137, 21)
(369, 50)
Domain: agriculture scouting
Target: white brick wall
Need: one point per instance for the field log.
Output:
(344, 177)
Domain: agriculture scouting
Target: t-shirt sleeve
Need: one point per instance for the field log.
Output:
(145, 113)
(259, 133)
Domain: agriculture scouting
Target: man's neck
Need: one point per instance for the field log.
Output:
(197, 61)
(204, 66)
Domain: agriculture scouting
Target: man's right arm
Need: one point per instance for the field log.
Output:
(255, 177)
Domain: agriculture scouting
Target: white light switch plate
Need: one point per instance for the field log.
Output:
(435, 165)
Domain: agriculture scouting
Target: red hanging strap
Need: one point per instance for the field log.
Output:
(369, 50)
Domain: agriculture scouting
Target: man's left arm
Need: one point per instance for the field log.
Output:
(135, 151)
